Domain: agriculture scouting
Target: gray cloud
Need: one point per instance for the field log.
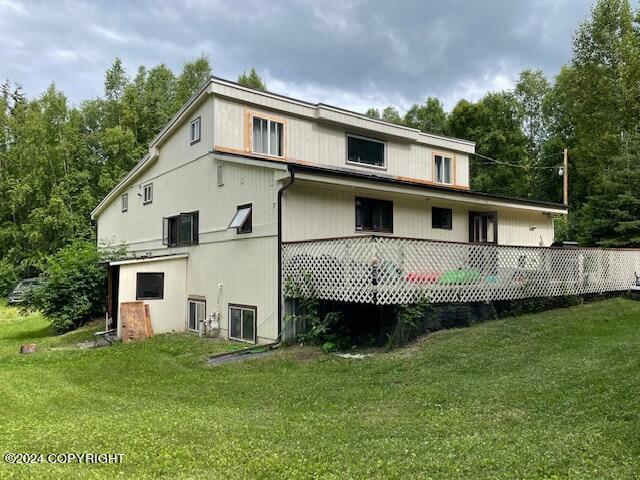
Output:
(351, 53)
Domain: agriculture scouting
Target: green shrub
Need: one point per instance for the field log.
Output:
(73, 290)
(411, 321)
(8, 278)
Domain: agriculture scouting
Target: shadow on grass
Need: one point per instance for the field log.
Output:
(46, 331)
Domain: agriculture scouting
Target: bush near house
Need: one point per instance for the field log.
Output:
(73, 289)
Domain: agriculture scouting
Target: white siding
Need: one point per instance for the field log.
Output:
(323, 143)
(314, 211)
(168, 314)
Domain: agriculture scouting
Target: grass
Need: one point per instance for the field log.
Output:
(552, 395)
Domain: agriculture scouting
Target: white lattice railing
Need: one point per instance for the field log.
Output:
(388, 270)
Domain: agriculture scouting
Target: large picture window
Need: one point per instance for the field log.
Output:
(374, 215)
(197, 312)
(268, 136)
(242, 323)
(181, 230)
(149, 286)
(442, 167)
(366, 151)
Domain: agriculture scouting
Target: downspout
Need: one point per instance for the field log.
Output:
(292, 176)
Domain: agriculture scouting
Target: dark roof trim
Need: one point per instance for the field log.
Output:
(470, 193)
(340, 172)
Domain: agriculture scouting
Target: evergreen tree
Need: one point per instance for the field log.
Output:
(252, 80)
(611, 216)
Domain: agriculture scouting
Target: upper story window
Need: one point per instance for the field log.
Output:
(243, 219)
(366, 151)
(441, 218)
(124, 205)
(180, 230)
(374, 215)
(268, 136)
(147, 193)
(443, 168)
(195, 131)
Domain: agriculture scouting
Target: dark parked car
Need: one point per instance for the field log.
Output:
(18, 293)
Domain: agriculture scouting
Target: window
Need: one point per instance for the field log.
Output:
(149, 286)
(442, 168)
(195, 131)
(242, 323)
(242, 221)
(197, 312)
(441, 218)
(374, 215)
(267, 136)
(365, 151)
(180, 230)
(125, 202)
(147, 193)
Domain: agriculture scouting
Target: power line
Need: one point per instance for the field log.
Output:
(526, 167)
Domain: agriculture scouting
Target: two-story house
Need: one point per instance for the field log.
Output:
(237, 172)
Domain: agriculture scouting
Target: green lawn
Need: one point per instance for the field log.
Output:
(553, 395)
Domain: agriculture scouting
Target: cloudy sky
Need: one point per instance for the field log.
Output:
(350, 53)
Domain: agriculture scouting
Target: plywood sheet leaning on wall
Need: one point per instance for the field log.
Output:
(136, 321)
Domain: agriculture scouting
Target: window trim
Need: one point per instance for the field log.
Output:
(195, 300)
(433, 208)
(195, 235)
(366, 165)
(454, 165)
(149, 298)
(124, 203)
(363, 230)
(249, 133)
(197, 120)
(144, 192)
(255, 322)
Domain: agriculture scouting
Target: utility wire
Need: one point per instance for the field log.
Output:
(498, 162)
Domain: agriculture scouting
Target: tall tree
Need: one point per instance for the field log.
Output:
(430, 117)
(494, 123)
(194, 74)
(611, 216)
(252, 80)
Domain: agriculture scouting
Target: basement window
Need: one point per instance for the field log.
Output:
(181, 230)
(374, 215)
(149, 286)
(268, 136)
(124, 205)
(195, 131)
(242, 323)
(441, 218)
(243, 219)
(365, 151)
(197, 311)
(442, 169)
(147, 193)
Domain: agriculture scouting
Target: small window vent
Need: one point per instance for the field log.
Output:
(220, 174)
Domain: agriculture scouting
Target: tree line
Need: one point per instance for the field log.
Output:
(591, 107)
(57, 161)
